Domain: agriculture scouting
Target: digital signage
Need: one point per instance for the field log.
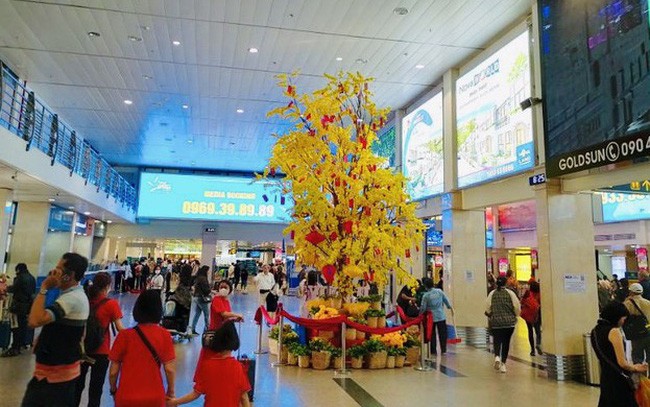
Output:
(625, 207)
(595, 76)
(214, 198)
(494, 135)
(422, 159)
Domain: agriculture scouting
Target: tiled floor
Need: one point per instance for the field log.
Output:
(476, 383)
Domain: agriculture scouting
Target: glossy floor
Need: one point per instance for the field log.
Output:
(463, 377)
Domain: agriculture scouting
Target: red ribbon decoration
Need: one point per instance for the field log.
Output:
(314, 237)
(328, 273)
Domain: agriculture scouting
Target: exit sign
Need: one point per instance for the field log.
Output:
(537, 179)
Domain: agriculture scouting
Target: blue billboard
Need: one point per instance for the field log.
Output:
(211, 198)
(625, 207)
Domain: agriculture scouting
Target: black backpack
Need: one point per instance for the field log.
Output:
(94, 331)
(636, 326)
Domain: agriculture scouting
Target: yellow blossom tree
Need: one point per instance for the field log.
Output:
(351, 217)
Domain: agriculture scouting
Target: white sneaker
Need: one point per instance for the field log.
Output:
(502, 369)
(497, 363)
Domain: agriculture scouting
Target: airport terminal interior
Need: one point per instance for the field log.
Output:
(360, 152)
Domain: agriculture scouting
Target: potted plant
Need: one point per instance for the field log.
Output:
(335, 301)
(337, 358)
(288, 336)
(292, 353)
(360, 334)
(400, 357)
(412, 346)
(357, 353)
(321, 353)
(381, 319)
(390, 359)
(303, 355)
(376, 354)
(375, 301)
(372, 317)
(364, 299)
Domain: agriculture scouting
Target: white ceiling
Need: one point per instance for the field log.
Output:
(87, 79)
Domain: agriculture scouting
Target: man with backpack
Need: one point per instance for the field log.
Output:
(636, 325)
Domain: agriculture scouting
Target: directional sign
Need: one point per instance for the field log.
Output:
(537, 179)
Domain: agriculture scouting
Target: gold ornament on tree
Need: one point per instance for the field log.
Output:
(351, 216)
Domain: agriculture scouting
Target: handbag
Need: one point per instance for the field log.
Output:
(629, 379)
(148, 345)
(272, 300)
(636, 326)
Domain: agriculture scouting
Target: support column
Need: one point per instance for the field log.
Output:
(567, 275)
(465, 268)
(6, 203)
(28, 238)
(209, 247)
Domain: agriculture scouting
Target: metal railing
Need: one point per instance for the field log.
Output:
(29, 118)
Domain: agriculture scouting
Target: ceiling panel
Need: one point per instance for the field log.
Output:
(87, 79)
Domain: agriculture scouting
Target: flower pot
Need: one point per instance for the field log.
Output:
(390, 362)
(357, 363)
(337, 363)
(381, 322)
(375, 305)
(372, 322)
(336, 303)
(350, 334)
(377, 360)
(320, 360)
(273, 346)
(285, 355)
(412, 355)
(326, 334)
(361, 335)
(400, 360)
(292, 359)
(303, 361)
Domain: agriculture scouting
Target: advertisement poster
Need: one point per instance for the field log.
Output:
(625, 207)
(204, 197)
(422, 161)
(595, 75)
(518, 217)
(503, 266)
(642, 258)
(384, 145)
(495, 136)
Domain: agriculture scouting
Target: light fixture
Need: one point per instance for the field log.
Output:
(145, 27)
(128, 102)
(193, 163)
(361, 61)
(133, 38)
(86, 213)
(147, 77)
(94, 34)
(186, 106)
(51, 199)
(190, 141)
(419, 66)
(71, 207)
(240, 110)
(176, 43)
(339, 59)
(401, 11)
(253, 50)
(109, 221)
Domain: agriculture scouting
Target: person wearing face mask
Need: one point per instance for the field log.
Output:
(220, 309)
(157, 281)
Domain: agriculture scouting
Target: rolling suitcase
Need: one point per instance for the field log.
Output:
(5, 334)
(249, 367)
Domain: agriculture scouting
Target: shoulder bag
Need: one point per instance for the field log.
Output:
(636, 326)
(272, 300)
(148, 345)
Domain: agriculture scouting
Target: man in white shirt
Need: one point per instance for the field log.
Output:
(265, 283)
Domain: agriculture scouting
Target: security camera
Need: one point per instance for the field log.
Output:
(531, 101)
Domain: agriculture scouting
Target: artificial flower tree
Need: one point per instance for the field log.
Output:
(351, 217)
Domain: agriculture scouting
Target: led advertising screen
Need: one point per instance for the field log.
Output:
(625, 207)
(596, 76)
(495, 136)
(422, 161)
(213, 198)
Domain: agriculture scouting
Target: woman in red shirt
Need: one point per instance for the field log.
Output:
(138, 353)
(219, 376)
(220, 310)
(107, 311)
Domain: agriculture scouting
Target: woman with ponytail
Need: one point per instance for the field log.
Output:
(103, 312)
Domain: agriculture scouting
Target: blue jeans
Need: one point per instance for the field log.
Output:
(200, 306)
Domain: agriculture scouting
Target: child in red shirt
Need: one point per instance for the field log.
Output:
(215, 364)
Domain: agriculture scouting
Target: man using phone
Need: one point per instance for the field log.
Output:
(58, 347)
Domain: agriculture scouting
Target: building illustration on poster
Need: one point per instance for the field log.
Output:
(384, 145)
(494, 135)
(422, 156)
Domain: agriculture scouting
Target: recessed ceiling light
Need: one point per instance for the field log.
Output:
(190, 141)
(186, 106)
(147, 77)
(128, 102)
(176, 43)
(240, 110)
(401, 11)
(86, 213)
(71, 207)
(109, 221)
(134, 38)
(193, 163)
(419, 66)
(51, 199)
(253, 50)
(339, 59)
(93, 34)
(145, 27)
